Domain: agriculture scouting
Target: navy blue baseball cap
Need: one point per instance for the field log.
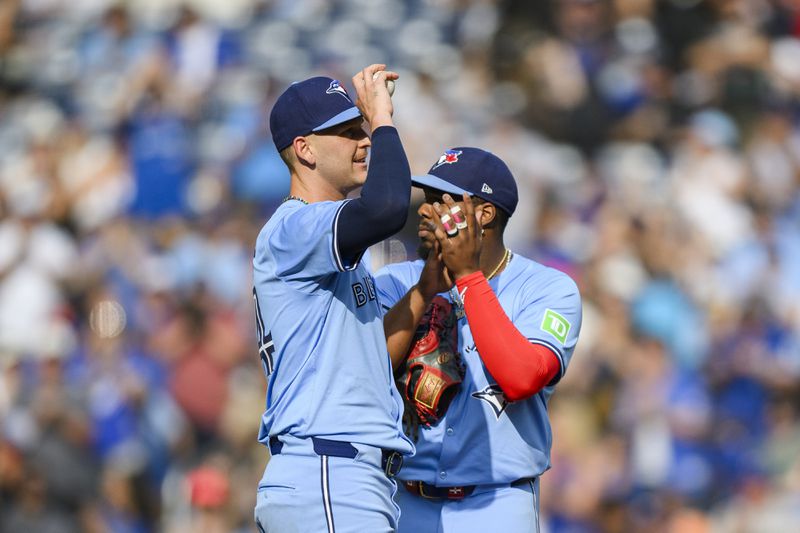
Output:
(307, 106)
(476, 172)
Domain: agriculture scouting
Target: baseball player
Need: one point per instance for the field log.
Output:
(333, 418)
(478, 394)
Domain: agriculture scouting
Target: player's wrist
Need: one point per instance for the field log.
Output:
(427, 291)
(380, 119)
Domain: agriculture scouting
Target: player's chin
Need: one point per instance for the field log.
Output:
(424, 249)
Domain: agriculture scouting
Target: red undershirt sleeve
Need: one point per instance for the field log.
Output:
(520, 368)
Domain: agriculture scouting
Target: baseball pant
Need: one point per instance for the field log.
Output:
(510, 509)
(304, 490)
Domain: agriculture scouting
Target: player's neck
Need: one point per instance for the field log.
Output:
(493, 252)
(314, 190)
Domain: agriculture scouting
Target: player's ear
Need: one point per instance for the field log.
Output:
(304, 151)
(485, 213)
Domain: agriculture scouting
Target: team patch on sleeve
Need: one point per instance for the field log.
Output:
(556, 325)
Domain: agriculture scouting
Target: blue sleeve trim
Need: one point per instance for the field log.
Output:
(337, 256)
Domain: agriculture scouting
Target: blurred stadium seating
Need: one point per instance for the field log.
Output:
(657, 149)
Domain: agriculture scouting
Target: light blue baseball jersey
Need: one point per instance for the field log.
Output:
(321, 336)
(483, 438)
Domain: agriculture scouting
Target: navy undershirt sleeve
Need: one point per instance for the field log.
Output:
(382, 208)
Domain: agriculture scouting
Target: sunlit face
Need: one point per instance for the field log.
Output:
(341, 154)
(426, 214)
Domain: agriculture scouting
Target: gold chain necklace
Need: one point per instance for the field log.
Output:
(291, 197)
(503, 262)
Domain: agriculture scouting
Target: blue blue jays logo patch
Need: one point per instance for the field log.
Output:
(448, 158)
(336, 88)
(493, 395)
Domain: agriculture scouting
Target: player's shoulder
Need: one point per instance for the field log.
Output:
(404, 272)
(536, 276)
(410, 269)
(295, 217)
(293, 211)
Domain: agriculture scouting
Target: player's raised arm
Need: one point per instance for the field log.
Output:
(382, 208)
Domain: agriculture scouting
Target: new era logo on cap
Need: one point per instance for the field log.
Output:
(308, 106)
(478, 173)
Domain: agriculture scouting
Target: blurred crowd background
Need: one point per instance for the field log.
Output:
(657, 148)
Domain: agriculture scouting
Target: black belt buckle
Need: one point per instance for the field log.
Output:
(392, 463)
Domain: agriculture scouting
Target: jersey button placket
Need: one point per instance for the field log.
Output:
(451, 449)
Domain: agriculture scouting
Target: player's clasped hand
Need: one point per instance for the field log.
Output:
(458, 234)
(372, 96)
(434, 277)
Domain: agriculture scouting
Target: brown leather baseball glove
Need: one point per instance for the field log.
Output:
(432, 373)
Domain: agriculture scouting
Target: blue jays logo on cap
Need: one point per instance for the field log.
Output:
(336, 88)
(448, 158)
